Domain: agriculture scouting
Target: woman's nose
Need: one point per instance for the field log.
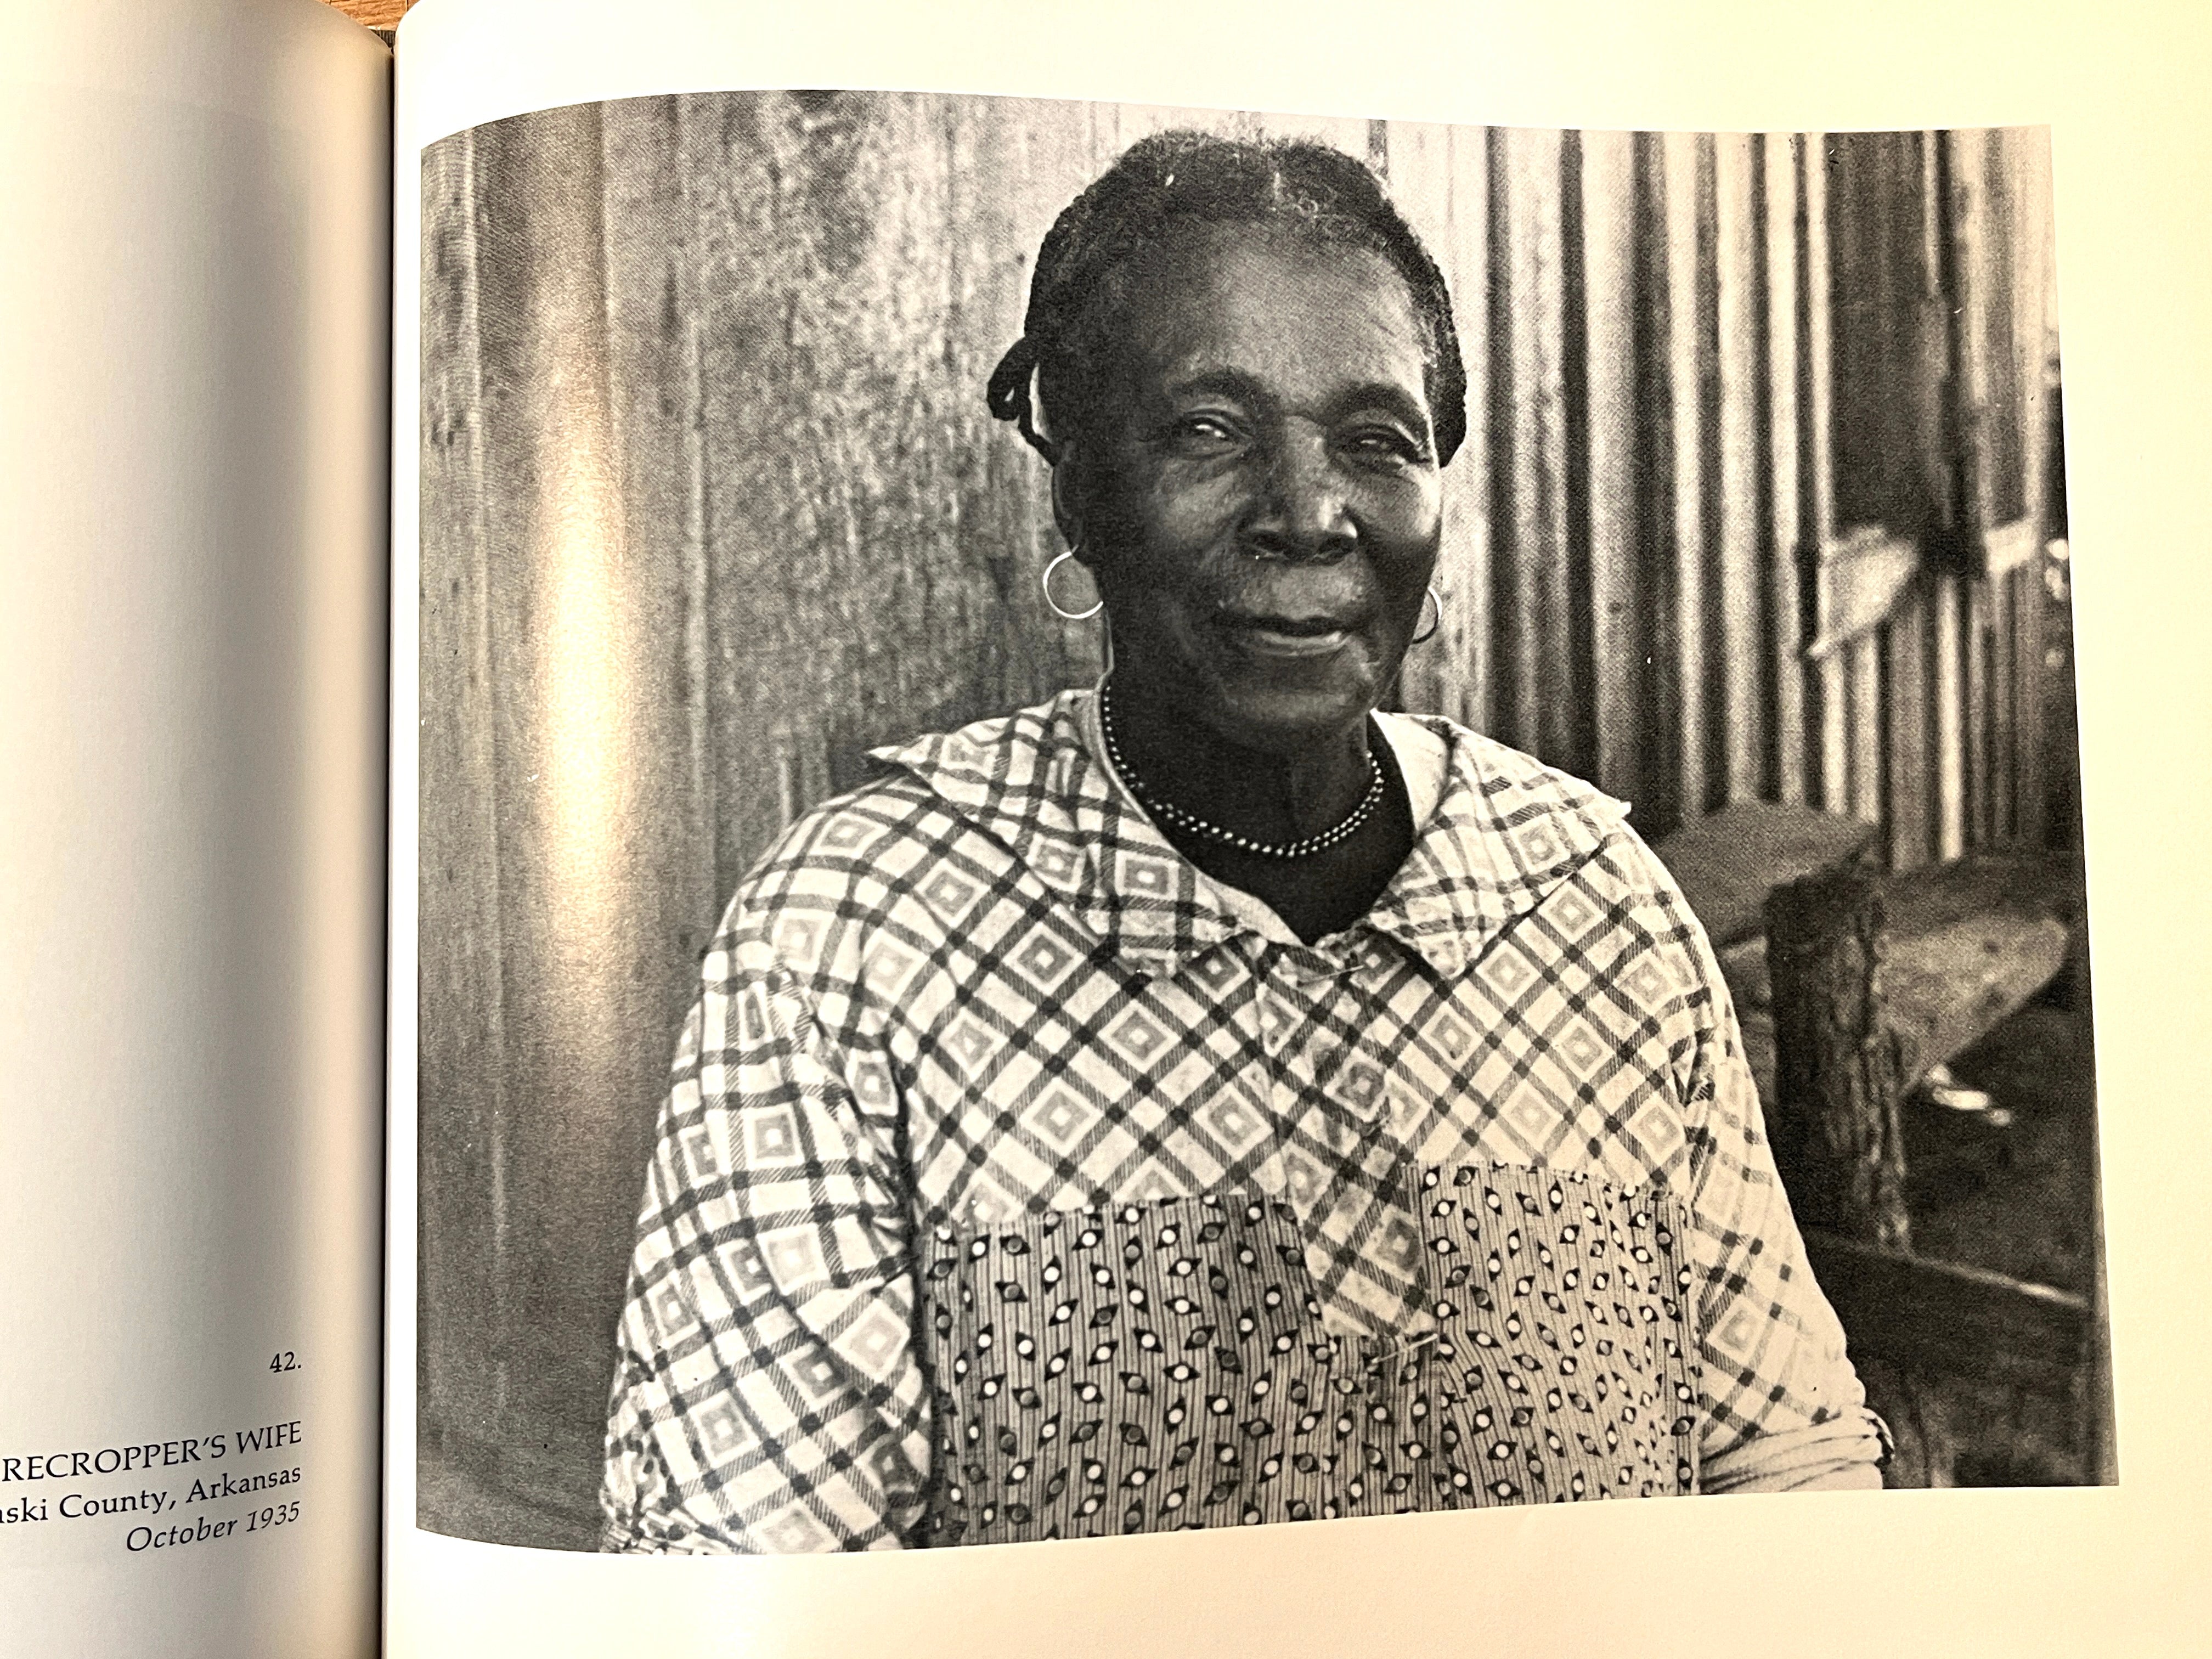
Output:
(1304, 508)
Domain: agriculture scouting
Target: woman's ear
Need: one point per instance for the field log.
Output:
(1067, 500)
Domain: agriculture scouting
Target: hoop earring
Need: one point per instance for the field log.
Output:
(1438, 600)
(1059, 611)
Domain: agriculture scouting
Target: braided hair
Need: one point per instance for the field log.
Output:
(1165, 186)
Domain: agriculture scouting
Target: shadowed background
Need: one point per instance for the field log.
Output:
(1753, 507)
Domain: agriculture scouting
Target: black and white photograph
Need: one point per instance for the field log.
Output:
(1137, 818)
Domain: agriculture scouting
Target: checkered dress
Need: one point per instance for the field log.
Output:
(1012, 1184)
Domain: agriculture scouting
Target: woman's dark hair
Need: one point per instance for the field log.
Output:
(1167, 185)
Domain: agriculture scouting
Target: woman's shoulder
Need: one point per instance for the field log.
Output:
(1515, 783)
(985, 760)
(923, 797)
(1550, 816)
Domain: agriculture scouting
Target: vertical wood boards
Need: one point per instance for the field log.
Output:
(1981, 819)
(1539, 687)
(1036, 161)
(1819, 157)
(2030, 672)
(1835, 735)
(1982, 395)
(1940, 349)
(1888, 332)
(1618, 656)
(462, 1071)
(879, 580)
(1788, 486)
(1473, 164)
(1440, 180)
(1863, 696)
(1986, 451)
(1681, 164)
(561, 638)
(1010, 169)
(2022, 157)
(1819, 441)
(2004, 705)
(1744, 655)
(1906, 734)
(1948, 693)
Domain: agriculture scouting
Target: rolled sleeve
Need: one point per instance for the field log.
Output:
(768, 1397)
(1783, 1406)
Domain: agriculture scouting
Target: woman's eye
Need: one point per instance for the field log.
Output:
(1386, 444)
(1206, 430)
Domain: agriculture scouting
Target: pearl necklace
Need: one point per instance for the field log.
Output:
(1191, 823)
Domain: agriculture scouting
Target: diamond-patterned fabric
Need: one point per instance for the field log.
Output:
(985, 991)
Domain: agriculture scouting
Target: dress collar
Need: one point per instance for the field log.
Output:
(1506, 831)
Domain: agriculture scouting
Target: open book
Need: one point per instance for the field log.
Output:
(791, 790)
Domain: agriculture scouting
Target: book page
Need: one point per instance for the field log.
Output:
(926, 1194)
(192, 336)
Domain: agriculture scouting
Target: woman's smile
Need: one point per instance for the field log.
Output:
(1282, 636)
(1287, 632)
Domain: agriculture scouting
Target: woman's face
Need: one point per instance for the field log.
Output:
(1259, 502)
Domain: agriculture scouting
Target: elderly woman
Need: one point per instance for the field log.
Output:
(1208, 1099)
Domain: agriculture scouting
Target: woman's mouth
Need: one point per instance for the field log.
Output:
(1275, 635)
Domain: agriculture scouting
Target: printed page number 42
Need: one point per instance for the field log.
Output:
(286, 1361)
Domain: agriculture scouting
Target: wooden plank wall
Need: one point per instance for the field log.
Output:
(712, 505)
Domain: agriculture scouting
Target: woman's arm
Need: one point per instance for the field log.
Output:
(768, 1399)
